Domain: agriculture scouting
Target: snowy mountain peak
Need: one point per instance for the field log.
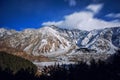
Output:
(47, 30)
(53, 40)
(2, 30)
(101, 40)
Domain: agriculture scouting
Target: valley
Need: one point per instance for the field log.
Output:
(57, 45)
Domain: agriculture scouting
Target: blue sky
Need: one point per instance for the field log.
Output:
(81, 14)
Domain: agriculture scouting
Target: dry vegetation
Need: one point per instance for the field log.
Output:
(23, 54)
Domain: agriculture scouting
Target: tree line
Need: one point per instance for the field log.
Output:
(101, 70)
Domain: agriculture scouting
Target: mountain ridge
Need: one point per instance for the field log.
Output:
(51, 39)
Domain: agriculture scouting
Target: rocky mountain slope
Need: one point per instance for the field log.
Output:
(35, 42)
(103, 41)
(54, 41)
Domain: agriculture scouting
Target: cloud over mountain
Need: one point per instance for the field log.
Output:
(84, 20)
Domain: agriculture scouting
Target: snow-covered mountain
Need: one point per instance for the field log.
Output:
(103, 41)
(71, 35)
(35, 42)
(51, 40)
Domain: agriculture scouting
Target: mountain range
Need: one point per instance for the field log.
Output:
(52, 41)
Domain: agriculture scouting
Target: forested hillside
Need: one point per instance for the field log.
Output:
(15, 63)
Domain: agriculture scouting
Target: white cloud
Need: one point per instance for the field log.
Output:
(71, 2)
(113, 15)
(95, 7)
(53, 23)
(84, 20)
